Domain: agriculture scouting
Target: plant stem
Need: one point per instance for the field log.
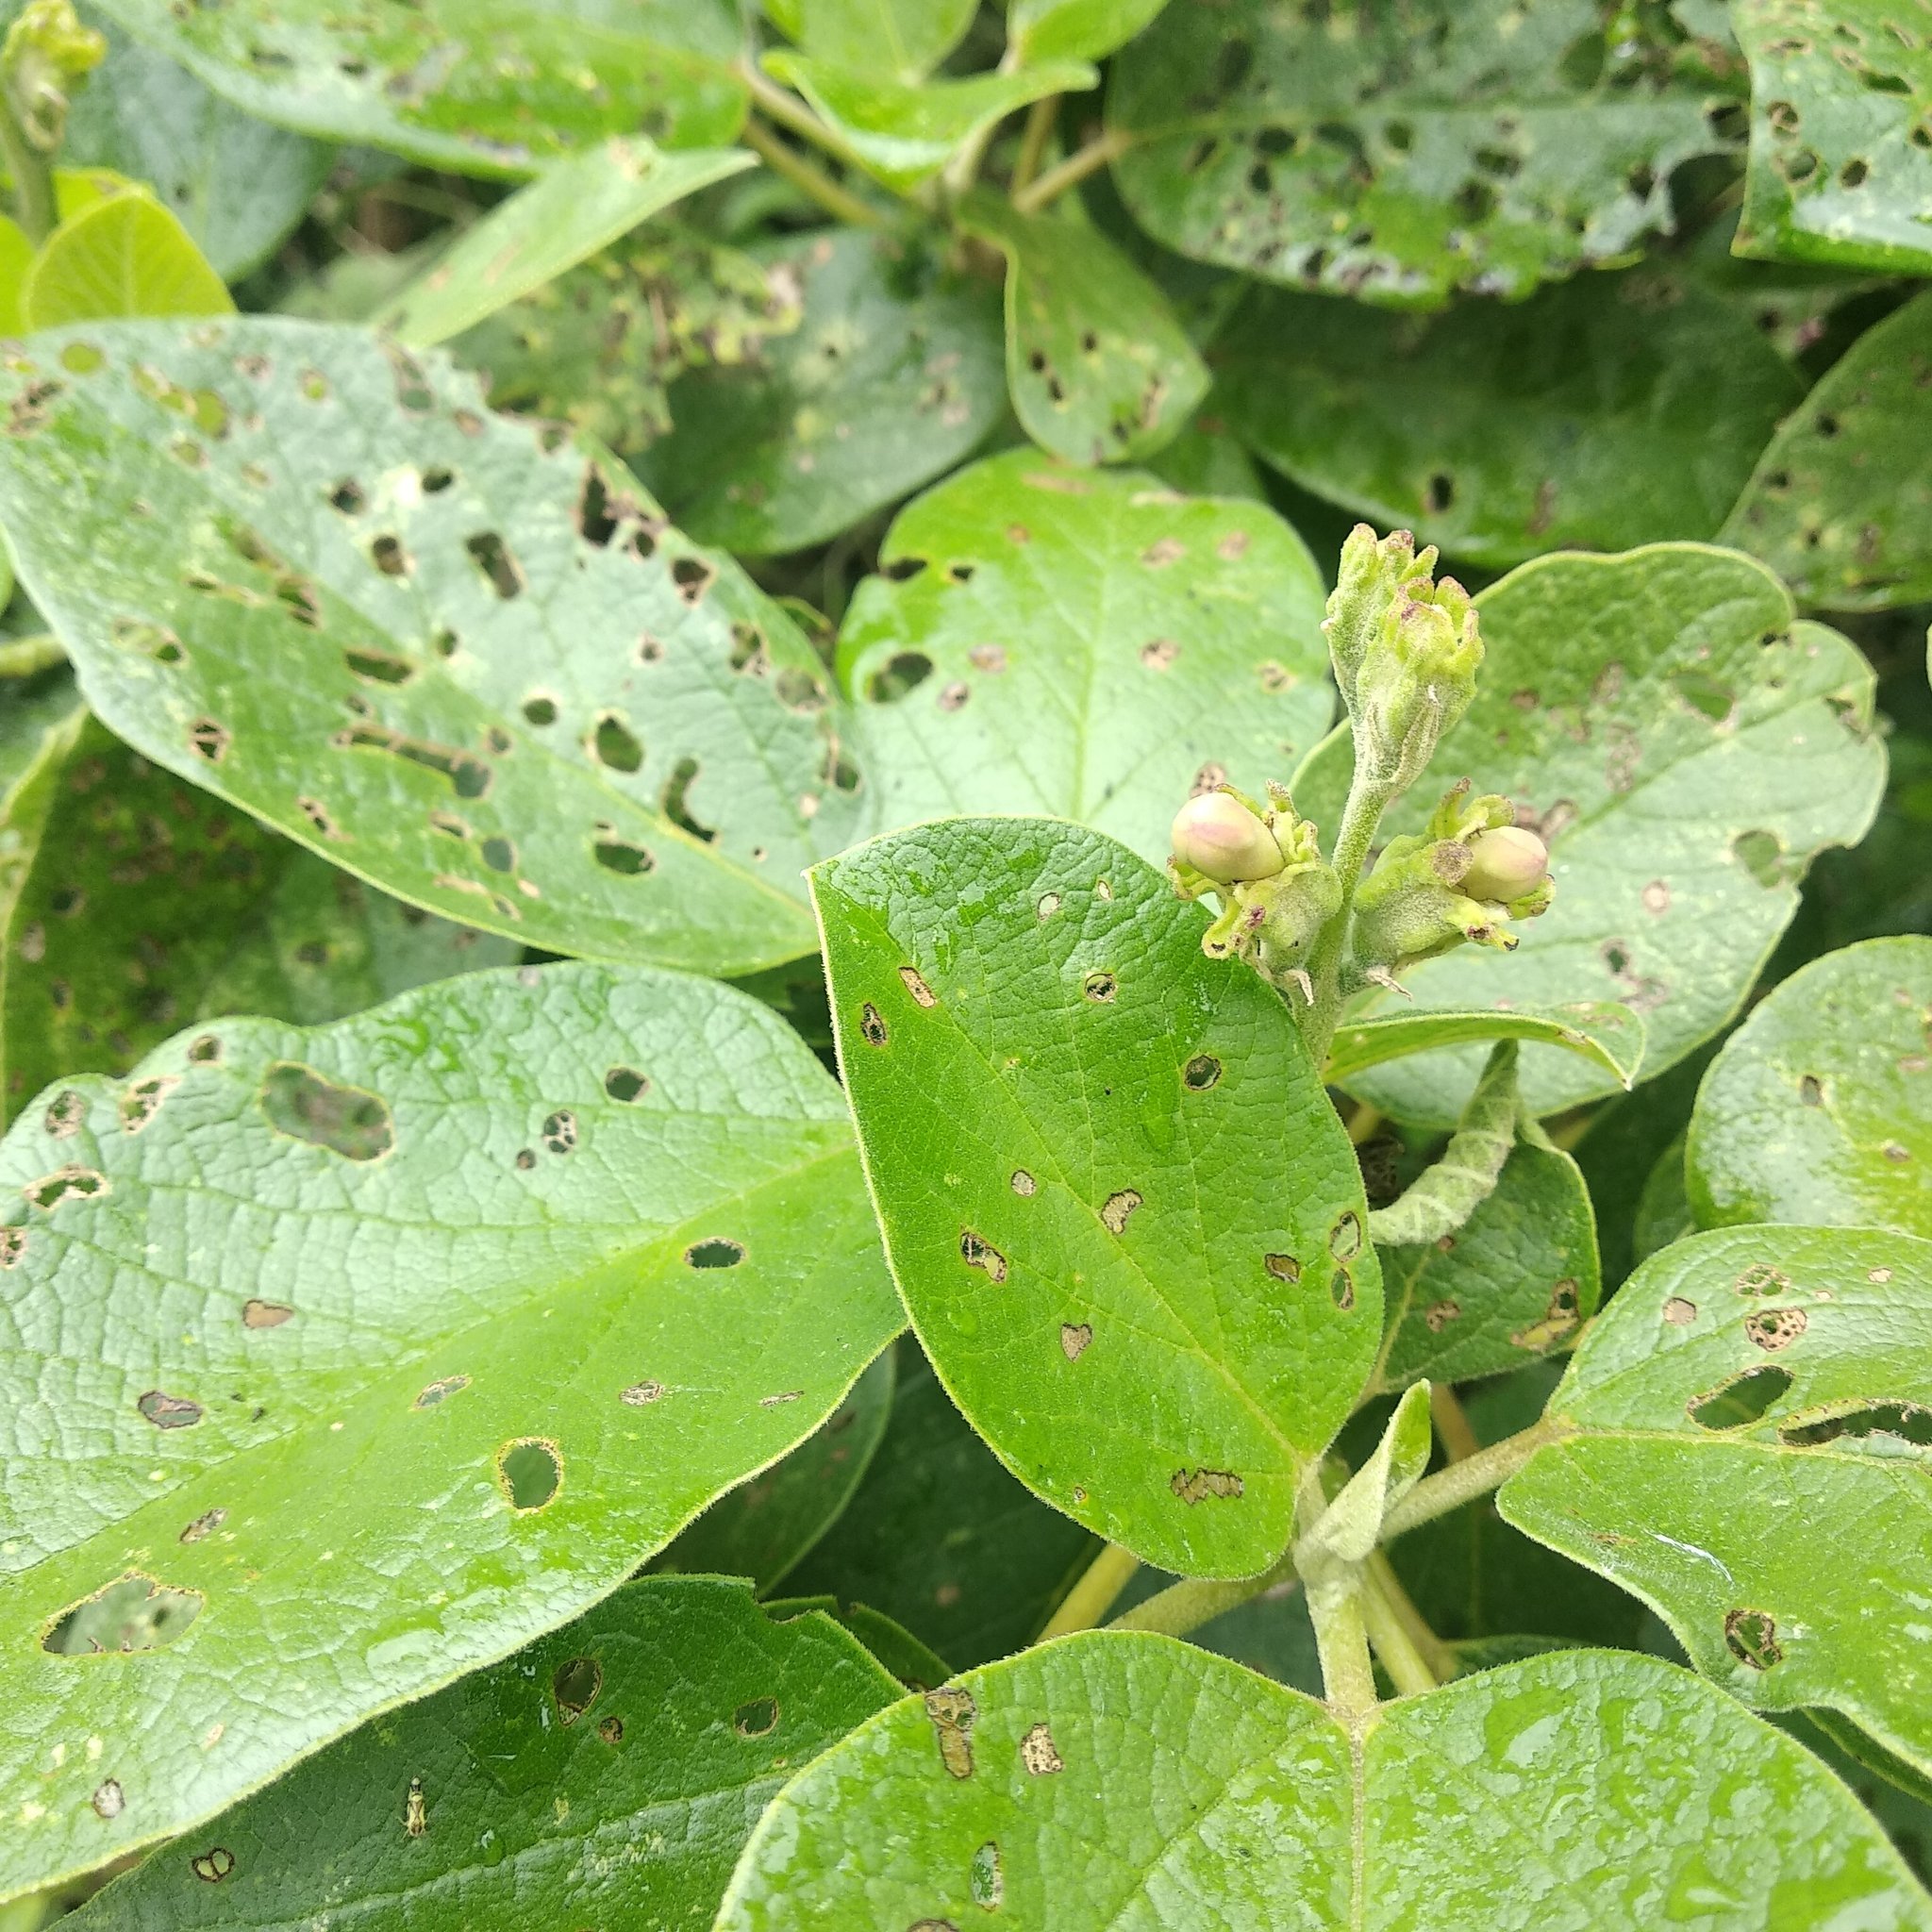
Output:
(1439, 1656)
(33, 177)
(1474, 1475)
(1368, 799)
(23, 656)
(1453, 1429)
(1038, 132)
(1409, 1670)
(1073, 169)
(809, 181)
(1341, 1638)
(787, 111)
(1362, 1123)
(1093, 1596)
(1184, 1607)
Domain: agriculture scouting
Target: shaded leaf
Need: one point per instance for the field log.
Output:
(486, 87)
(1060, 1101)
(40, 721)
(1425, 149)
(1099, 367)
(1747, 1446)
(409, 1339)
(1604, 414)
(125, 255)
(465, 661)
(1840, 168)
(901, 39)
(892, 375)
(1819, 1108)
(1076, 29)
(1118, 1779)
(666, 1717)
(1601, 1031)
(1081, 643)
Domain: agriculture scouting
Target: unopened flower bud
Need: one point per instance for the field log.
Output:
(1505, 864)
(1217, 836)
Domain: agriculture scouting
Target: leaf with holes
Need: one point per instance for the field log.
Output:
(1841, 503)
(455, 655)
(893, 375)
(667, 1716)
(1082, 643)
(345, 1360)
(1819, 1108)
(763, 1527)
(942, 1538)
(148, 905)
(576, 207)
(1429, 148)
(904, 133)
(1686, 749)
(484, 87)
(1062, 1105)
(1608, 1035)
(1076, 29)
(123, 254)
(1099, 366)
(1745, 1443)
(1841, 165)
(902, 39)
(1610, 413)
(1515, 1281)
(1116, 1779)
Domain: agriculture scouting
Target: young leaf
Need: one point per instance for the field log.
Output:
(1347, 1531)
(1440, 148)
(1075, 29)
(125, 255)
(667, 1716)
(1841, 500)
(1099, 366)
(1116, 1779)
(1608, 1035)
(412, 1337)
(148, 905)
(1686, 748)
(485, 87)
(1084, 645)
(574, 208)
(464, 661)
(1838, 169)
(892, 377)
(898, 40)
(1613, 412)
(1746, 1438)
(1122, 1213)
(1819, 1108)
(942, 1538)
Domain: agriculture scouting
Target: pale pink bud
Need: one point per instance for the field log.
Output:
(1505, 864)
(1218, 835)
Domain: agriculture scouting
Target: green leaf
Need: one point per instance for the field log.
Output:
(898, 40)
(1346, 1533)
(1076, 29)
(1819, 1108)
(1663, 1209)
(459, 658)
(1610, 413)
(1608, 1035)
(1099, 367)
(1081, 643)
(1513, 1282)
(400, 1341)
(1839, 503)
(39, 723)
(904, 134)
(1122, 1213)
(892, 375)
(1120, 1779)
(149, 904)
(237, 184)
(665, 1718)
(1747, 1446)
(16, 263)
(940, 1538)
(763, 1527)
(123, 256)
(1686, 748)
(485, 87)
(1838, 169)
(1419, 151)
(574, 208)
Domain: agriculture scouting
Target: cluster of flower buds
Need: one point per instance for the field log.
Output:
(1405, 650)
(1265, 864)
(46, 55)
(1470, 871)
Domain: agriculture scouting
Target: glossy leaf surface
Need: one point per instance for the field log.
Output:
(1122, 1213)
(343, 1361)
(1748, 1448)
(1819, 1108)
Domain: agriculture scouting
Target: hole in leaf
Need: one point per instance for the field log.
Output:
(493, 556)
(1910, 1422)
(1283, 1267)
(540, 709)
(613, 743)
(65, 1184)
(714, 1253)
(628, 861)
(1742, 1401)
(135, 1614)
(575, 1686)
(529, 1471)
(871, 1025)
(560, 1131)
(1100, 987)
(212, 1865)
(388, 555)
(757, 1719)
(902, 673)
(626, 1084)
(299, 1102)
(379, 667)
(694, 577)
(1751, 1635)
(1774, 1328)
(209, 739)
(205, 1050)
(677, 792)
(1201, 1072)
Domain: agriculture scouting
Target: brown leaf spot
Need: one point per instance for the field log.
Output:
(212, 1865)
(1039, 1752)
(978, 1253)
(1162, 552)
(204, 1525)
(142, 1101)
(1117, 1207)
(1656, 898)
(438, 1391)
(1023, 1182)
(1762, 1278)
(260, 1314)
(108, 1801)
(1074, 1336)
(1193, 1485)
(917, 987)
(1774, 1328)
(641, 1394)
(1160, 653)
(1439, 1315)
(1751, 1635)
(953, 1712)
(1680, 1314)
(1283, 1267)
(871, 1026)
(66, 1116)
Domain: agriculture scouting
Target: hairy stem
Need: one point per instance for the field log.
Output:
(1439, 1656)
(1453, 1429)
(809, 181)
(1409, 1670)
(1368, 799)
(1073, 171)
(1474, 1475)
(1184, 1607)
(1033, 140)
(1093, 1595)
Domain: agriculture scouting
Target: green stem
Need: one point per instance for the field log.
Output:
(1093, 1595)
(807, 179)
(1453, 1429)
(1438, 1656)
(1368, 799)
(1409, 1670)
(24, 656)
(1185, 1606)
(1073, 171)
(1033, 140)
(33, 177)
(787, 111)
(1474, 1475)
(1341, 1638)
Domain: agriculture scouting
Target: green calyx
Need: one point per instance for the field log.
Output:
(47, 54)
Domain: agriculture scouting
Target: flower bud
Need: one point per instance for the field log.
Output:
(1217, 836)
(1505, 864)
